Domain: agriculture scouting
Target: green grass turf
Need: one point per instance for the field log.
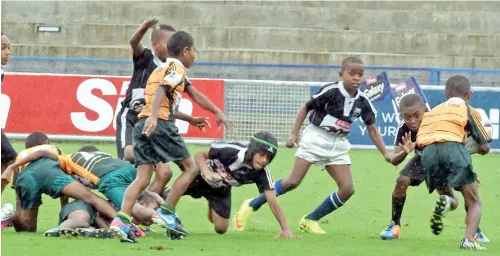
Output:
(353, 230)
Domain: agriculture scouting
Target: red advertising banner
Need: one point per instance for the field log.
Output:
(86, 105)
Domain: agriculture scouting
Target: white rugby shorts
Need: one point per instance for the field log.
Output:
(322, 148)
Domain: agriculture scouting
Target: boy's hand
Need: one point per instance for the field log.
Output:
(407, 145)
(151, 22)
(287, 234)
(222, 118)
(150, 126)
(211, 176)
(200, 122)
(292, 141)
(6, 175)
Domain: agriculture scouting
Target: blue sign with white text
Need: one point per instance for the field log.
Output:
(486, 102)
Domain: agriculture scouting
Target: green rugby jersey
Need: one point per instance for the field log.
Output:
(98, 163)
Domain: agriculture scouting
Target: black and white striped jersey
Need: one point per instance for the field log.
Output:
(228, 159)
(401, 132)
(334, 110)
(144, 65)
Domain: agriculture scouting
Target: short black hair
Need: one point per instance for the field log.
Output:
(350, 59)
(457, 86)
(161, 27)
(411, 100)
(36, 139)
(88, 148)
(178, 41)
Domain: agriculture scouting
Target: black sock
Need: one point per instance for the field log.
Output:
(397, 208)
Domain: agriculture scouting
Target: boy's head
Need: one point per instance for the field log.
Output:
(88, 149)
(262, 149)
(181, 46)
(159, 38)
(352, 72)
(148, 201)
(412, 108)
(36, 139)
(5, 49)
(458, 86)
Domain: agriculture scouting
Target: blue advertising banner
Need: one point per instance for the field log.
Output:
(485, 100)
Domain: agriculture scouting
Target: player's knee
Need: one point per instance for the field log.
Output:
(403, 182)
(164, 172)
(345, 192)
(221, 228)
(189, 167)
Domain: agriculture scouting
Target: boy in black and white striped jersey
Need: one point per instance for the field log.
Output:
(324, 143)
(227, 165)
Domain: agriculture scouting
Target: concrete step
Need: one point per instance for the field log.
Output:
(237, 15)
(268, 56)
(378, 5)
(308, 40)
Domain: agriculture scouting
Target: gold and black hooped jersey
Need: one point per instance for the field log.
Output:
(449, 121)
(172, 76)
(98, 163)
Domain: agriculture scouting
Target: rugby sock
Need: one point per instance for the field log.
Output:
(330, 204)
(257, 202)
(167, 209)
(397, 208)
(124, 217)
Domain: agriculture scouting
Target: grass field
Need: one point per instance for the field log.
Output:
(352, 230)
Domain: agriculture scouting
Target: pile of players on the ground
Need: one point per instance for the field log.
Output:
(134, 202)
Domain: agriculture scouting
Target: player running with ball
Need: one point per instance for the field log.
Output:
(412, 108)
(446, 161)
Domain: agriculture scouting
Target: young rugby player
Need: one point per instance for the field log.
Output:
(324, 142)
(145, 62)
(232, 164)
(80, 219)
(412, 108)
(8, 153)
(156, 139)
(446, 161)
(98, 170)
(34, 176)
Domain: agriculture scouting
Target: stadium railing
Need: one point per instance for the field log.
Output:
(249, 71)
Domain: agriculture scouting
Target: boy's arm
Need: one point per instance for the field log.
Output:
(22, 161)
(278, 213)
(205, 103)
(399, 156)
(200, 159)
(402, 148)
(199, 121)
(299, 120)
(135, 40)
(478, 131)
(378, 141)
